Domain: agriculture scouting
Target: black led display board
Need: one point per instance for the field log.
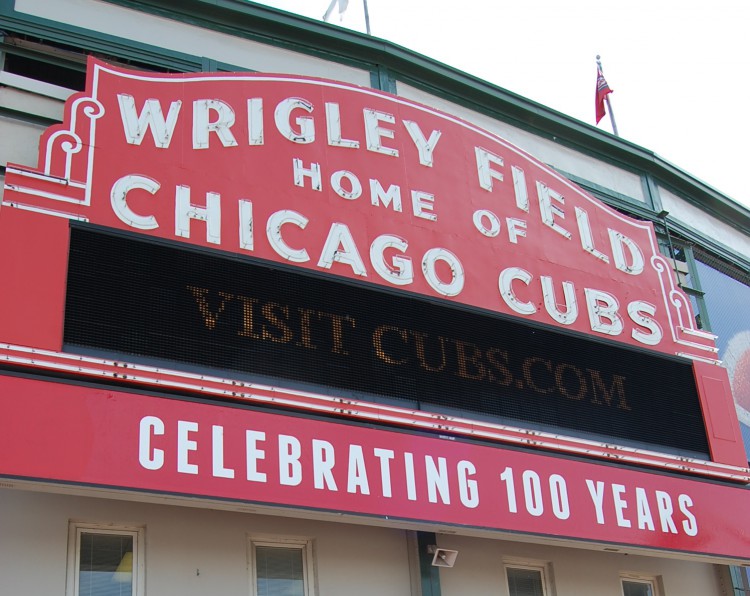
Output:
(163, 301)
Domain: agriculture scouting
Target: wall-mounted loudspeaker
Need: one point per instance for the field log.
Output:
(442, 557)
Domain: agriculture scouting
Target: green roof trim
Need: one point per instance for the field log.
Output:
(275, 27)
(388, 62)
(97, 42)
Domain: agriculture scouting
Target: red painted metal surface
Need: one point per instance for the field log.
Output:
(376, 178)
(103, 437)
(313, 179)
(33, 268)
(261, 394)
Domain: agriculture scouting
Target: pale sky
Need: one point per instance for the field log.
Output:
(680, 69)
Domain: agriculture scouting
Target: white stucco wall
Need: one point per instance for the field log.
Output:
(191, 551)
(682, 211)
(194, 552)
(19, 136)
(28, 96)
(573, 572)
(19, 141)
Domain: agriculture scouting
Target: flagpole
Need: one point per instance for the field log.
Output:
(606, 99)
(367, 18)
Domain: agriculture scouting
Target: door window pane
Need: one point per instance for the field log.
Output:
(106, 565)
(635, 588)
(525, 582)
(279, 571)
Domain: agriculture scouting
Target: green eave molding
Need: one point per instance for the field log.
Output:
(260, 23)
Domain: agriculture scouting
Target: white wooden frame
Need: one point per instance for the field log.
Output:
(542, 567)
(303, 544)
(76, 529)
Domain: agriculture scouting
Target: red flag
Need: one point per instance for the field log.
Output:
(602, 90)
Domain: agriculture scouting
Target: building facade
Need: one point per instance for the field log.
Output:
(292, 310)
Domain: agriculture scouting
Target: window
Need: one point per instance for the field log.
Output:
(32, 60)
(680, 255)
(740, 580)
(105, 560)
(639, 586)
(57, 65)
(727, 290)
(527, 580)
(281, 567)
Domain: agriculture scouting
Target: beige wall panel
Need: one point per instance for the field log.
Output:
(574, 572)
(194, 552)
(33, 543)
(362, 561)
(544, 150)
(686, 213)
(191, 552)
(171, 35)
(19, 142)
(31, 103)
(187, 552)
(478, 565)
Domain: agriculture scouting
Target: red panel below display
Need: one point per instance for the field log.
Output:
(67, 433)
(33, 268)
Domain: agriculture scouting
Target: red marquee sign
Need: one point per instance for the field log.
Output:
(361, 184)
(65, 433)
(347, 181)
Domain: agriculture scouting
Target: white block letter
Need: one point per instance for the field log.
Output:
(185, 445)
(485, 172)
(202, 124)
(151, 117)
(602, 308)
(151, 459)
(306, 127)
(119, 200)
